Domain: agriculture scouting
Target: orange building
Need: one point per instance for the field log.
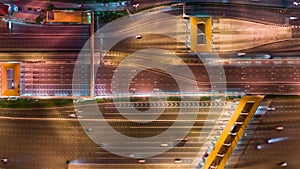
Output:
(69, 16)
(10, 76)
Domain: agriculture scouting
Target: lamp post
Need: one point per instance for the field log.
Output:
(287, 19)
(135, 5)
(293, 4)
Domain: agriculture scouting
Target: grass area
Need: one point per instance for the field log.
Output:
(44, 103)
(33, 103)
(282, 97)
(109, 16)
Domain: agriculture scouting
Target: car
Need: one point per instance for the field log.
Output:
(102, 144)
(271, 108)
(282, 164)
(89, 129)
(164, 145)
(138, 37)
(29, 9)
(279, 128)
(73, 115)
(258, 147)
(4, 160)
(177, 160)
(141, 161)
(182, 139)
(186, 16)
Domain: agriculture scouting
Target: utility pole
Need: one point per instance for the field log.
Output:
(92, 78)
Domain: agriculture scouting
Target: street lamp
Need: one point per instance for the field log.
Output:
(136, 5)
(287, 19)
(294, 3)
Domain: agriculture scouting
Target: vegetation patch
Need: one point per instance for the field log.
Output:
(34, 103)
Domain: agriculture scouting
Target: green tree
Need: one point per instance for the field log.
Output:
(50, 7)
(41, 18)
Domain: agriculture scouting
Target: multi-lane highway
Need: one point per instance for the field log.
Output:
(50, 137)
(47, 138)
(38, 43)
(43, 72)
(283, 145)
(274, 76)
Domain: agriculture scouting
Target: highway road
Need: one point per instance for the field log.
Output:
(263, 128)
(46, 138)
(258, 76)
(50, 137)
(82, 30)
(54, 73)
(49, 29)
(46, 74)
(36, 138)
(42, 43)
(246, 12)
(286, 48)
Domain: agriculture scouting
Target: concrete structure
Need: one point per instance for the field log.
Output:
(10, 85)
(201, 34)
(69, 16)
(232, 132)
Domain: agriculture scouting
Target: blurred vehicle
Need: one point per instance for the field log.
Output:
(73, 115)
(177, 160)
(279, 128)
(258, 147)
(141, 161)
(182, 139)
(4, 160)
(138, 36)
(282, 164)
(164, 145)
(271, 108)
(89, 129)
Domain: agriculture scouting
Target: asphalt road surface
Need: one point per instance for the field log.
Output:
(284, 148)
(51, 73)
(47, 138)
